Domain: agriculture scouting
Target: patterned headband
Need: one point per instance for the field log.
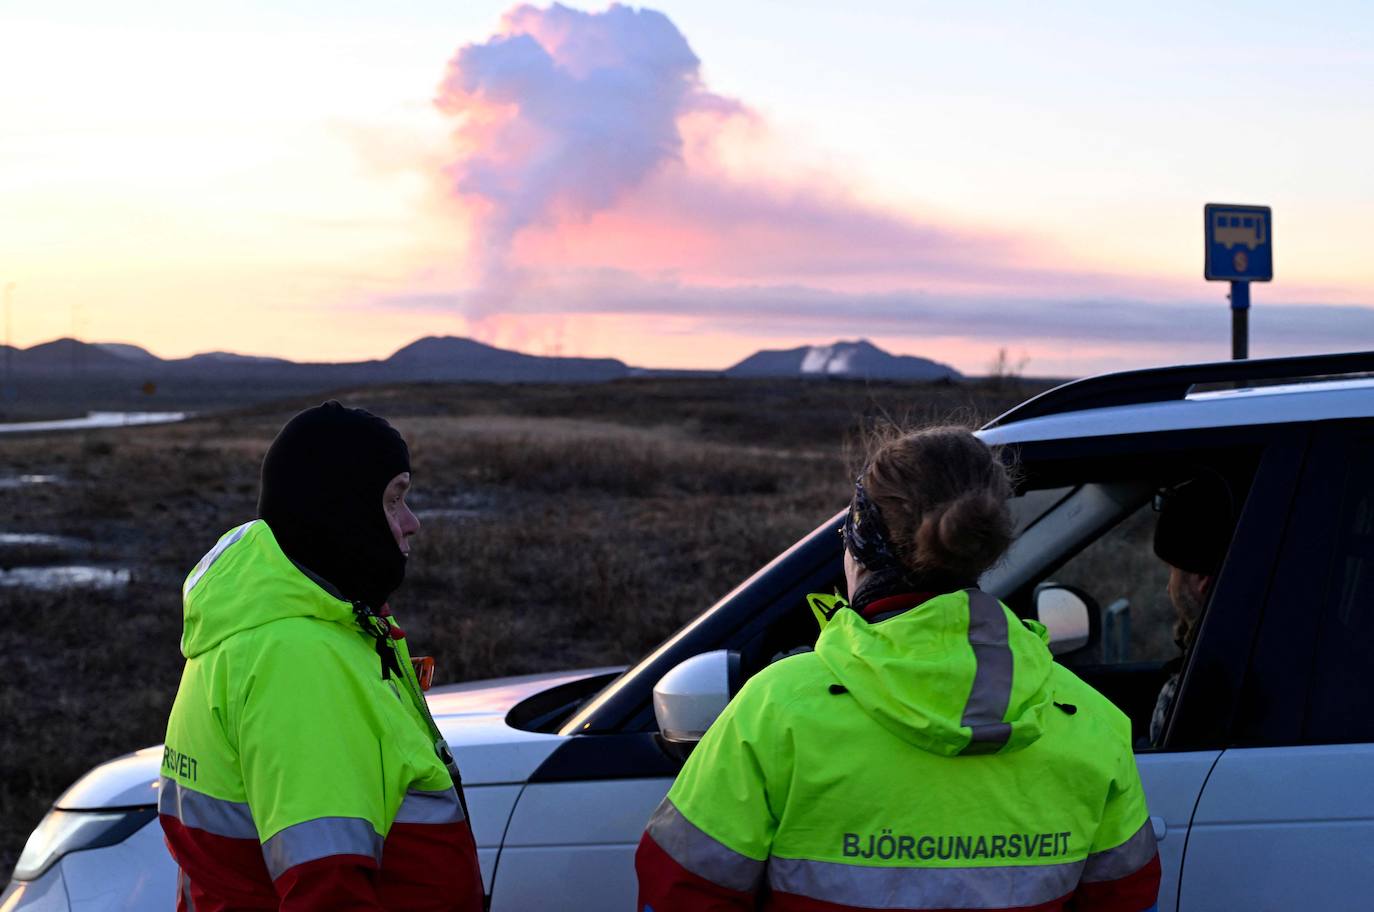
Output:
(865, 533)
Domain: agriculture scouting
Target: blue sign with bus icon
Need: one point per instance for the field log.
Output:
(1240, 243)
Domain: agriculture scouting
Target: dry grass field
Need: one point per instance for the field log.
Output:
(563, 526)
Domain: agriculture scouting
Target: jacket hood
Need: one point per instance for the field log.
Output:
(246, 581)
(914, 673)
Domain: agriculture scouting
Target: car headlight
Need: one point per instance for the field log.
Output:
(62, 832)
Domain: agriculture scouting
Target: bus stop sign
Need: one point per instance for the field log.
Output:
(1240, 243)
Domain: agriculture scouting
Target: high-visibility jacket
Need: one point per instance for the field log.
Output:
(937, 759)
(295, 776)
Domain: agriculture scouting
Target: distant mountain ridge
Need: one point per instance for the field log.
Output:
(457, 358)
(439, 358)
(860, 359)
(126, 351)
(443, 359)
(223, 357)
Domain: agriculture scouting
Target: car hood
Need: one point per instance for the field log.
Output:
(472, 717)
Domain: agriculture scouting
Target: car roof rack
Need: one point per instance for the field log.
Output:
(1165, 384)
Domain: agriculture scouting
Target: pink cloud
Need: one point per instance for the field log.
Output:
(563, 113)
(589, 140)
(713, 228)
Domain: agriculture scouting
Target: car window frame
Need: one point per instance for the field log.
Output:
(1214, 674)
(1209, 681)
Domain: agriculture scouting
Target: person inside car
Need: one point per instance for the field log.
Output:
(929, 753)
(1192, 534)
(302, 770)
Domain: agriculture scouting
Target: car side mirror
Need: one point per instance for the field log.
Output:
(690, 697)
(1068, 614)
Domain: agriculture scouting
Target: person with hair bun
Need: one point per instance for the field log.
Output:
(929, 753)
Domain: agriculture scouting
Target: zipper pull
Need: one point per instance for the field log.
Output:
(446, 757)
(383, 632)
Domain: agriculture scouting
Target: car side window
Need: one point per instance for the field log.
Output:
(1129, 585)
(1148, 617)
(1341, 701)
(1135, 653)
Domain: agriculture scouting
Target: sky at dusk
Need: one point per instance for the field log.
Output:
(683, 184)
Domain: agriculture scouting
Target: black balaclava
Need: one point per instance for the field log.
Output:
(322, 484)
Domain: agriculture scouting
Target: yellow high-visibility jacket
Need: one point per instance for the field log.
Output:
(937, 759)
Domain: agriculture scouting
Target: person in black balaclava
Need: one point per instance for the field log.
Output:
(303, 770)
(322, 484)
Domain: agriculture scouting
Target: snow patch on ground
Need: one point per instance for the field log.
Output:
(51, 579)
(816, 359)
(829, 359)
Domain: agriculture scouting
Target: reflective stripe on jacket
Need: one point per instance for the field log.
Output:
(937, 759)
(294, 777)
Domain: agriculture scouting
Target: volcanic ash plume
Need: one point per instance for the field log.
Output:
(562, 113)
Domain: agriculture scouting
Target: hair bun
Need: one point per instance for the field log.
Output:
(942, 494)
(964, 536)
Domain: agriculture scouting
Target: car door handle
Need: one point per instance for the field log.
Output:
(1157, 824)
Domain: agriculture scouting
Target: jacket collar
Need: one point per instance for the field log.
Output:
(892, 605)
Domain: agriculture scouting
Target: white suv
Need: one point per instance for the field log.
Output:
(1261, 785)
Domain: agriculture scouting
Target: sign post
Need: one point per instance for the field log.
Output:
(1239, 243)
